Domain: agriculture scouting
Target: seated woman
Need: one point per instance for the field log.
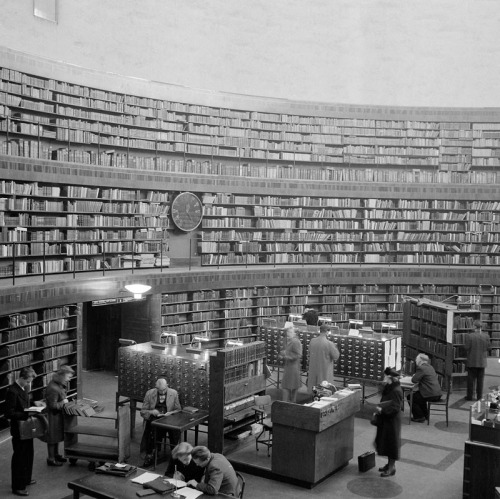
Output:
(181, 465)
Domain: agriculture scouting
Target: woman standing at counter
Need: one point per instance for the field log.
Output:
(388, 439)
(292, 355)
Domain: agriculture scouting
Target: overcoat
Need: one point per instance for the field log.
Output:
(322, 354)
(388, 439)
(291, 372)
(55, 393)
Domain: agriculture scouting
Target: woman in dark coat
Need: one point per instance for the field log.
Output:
(55, 396)
(388, 439)
(291, 373)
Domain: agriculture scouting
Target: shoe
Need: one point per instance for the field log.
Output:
(53, 462)
(384, 468)
(61, 459)
(32, 482)
(22, 492)
(418, 420)
(385, 474)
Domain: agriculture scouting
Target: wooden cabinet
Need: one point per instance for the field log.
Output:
(97, 438)
(482, 453)
(236, 376)
(325, 437)
(43, 339)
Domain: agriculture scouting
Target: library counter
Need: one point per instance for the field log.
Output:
(324, 431)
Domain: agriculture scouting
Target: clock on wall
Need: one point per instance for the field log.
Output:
(187, 211)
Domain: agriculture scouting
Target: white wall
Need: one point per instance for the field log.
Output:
(392, 52)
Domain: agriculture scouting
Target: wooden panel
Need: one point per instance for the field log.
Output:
(481, 470)
(239, 389)
(320, 453)
(309, 418)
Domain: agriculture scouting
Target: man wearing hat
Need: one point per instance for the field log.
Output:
(322, 355)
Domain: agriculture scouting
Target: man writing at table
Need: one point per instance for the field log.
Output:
(158, 402)
(219, 476)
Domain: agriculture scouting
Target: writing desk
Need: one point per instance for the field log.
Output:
(113, 487)
(407, 385)
(180, 421)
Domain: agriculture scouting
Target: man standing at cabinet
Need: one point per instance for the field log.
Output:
(17, 399)
(322, 355)
(476, 346)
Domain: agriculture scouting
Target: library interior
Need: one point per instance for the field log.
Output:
(197, 191)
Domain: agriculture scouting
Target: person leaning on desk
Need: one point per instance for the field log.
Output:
(219, 476)
(428, 388)
(158, 402)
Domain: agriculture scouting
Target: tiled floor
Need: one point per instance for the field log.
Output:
(431, 464)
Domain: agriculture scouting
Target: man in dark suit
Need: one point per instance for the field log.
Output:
(219, 476)
(159, 401)
(476, 346)
(16, 400)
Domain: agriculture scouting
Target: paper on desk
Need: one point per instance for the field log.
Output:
(406, 380)
(145, 477)
(176, 483)
(189, 493)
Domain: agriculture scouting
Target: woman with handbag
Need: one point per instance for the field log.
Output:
(388, 415)
(55, 396)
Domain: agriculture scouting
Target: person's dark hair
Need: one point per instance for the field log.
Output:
(27, 372)
(200, 452)
(390, 371)
(311, 317)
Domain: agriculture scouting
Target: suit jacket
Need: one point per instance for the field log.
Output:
(219, 477)
(151, 398)
(428, 383)
(16, 400)
(476, 346)
(322, 354)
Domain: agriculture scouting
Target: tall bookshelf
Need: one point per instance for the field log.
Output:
(237, 374)
(56, 228)
(280, 230)
(438, 329)
(43, 339)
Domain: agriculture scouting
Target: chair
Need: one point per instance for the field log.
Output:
(241, 485)
(262, 410)
(441, 405)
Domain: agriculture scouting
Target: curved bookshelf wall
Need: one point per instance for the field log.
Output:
(345, 208)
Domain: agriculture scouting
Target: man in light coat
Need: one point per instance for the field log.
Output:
(322, 355)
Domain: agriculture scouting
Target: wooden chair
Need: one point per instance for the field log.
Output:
(241, 485)
(262, 410)
(441, 405)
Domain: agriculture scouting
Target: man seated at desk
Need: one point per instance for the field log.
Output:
(182, 466)
(219, 475)
(158, 402)
(428, 388)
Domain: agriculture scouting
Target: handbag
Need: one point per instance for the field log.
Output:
(366, 461)
(159, 485)
(376, 419)
(33, 427)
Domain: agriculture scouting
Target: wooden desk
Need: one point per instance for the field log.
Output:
(113, 487)
(325, 437)
(408, 386)
(180, 421)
